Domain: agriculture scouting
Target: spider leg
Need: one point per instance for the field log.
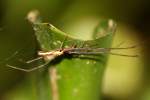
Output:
(119, 54)
(62, 43)
(8, 58)
(82, 45)
(28, 70)
(74, 45)
(98, 53)
(32, 60)
(119, 44)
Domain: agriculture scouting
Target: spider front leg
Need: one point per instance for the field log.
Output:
(28, 70)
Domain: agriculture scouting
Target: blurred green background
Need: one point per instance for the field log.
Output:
(125, 78)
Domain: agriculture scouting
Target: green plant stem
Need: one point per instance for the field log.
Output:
(43, 84)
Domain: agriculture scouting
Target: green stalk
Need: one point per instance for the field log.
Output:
(71, 77)
(76, 78)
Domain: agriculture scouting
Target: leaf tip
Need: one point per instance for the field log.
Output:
(33, 16)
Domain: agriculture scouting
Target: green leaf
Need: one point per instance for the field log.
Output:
(79, 77)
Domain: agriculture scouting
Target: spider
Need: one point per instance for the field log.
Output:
(48, 56)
